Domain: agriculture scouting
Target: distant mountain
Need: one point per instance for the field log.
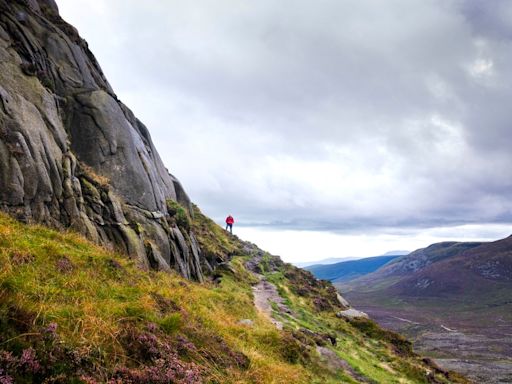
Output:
(416, 261)
(348, 270)
(335, 260)
(453, 298)
(331, 260)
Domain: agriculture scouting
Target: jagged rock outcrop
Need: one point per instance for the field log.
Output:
(71, 154)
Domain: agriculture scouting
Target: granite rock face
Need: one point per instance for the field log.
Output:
(72, 155)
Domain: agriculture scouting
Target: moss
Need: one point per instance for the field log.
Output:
(89, 189)
(179, 214)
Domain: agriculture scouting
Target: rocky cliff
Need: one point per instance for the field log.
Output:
(72, 155)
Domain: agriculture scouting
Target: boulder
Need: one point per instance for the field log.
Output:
(351, 313)
(342, 300)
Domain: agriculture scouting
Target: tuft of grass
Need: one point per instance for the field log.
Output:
(90, 173)
(171, 323)
(402, 346)
(179, 214)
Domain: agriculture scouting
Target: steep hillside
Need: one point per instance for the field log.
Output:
(349, 270)
(71, 311)
(454, 299)
(72, 155)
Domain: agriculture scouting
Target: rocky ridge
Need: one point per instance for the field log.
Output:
(72, 155)
(424, 257)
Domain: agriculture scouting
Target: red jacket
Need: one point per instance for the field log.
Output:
(230, 220)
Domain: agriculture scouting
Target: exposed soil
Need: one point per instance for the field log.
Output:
(265, 293)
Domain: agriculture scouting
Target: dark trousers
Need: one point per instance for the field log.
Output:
(230, 227)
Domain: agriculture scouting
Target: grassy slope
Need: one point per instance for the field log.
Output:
(71, 311)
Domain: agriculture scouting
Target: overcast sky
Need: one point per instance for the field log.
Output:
(328, 128)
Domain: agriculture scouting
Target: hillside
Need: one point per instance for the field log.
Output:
(71, 311)
(453, 299)
(421, 258)
(349, 270)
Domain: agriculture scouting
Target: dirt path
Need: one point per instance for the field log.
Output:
(405, 320)
(265, 293)
(448, 329)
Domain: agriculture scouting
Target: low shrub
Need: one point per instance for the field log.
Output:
(179, 214)
(171, 323)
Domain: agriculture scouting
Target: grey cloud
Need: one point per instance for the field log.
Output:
(327, 115)
(489, 19)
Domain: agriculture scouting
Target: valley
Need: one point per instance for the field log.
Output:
(477, 344)
(452, 300)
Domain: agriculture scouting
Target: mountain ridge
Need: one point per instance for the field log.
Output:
(350, 269)
(331, 260)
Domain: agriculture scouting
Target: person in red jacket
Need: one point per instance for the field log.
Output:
(229, 223)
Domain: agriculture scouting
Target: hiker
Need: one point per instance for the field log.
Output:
(229, 223)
